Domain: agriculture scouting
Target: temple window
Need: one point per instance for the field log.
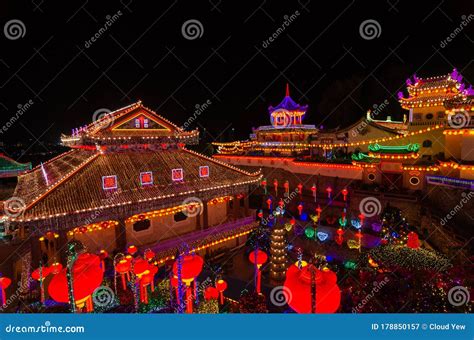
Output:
(429, 116)
(427, 143)
(141, 225)
(179, 217)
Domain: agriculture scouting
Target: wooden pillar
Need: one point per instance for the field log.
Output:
(35, 250)
(120, 236)
(62, 244)
(246, 206)
(205, 215)
(235, 207)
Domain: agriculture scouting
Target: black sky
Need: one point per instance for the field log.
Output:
(143, 55)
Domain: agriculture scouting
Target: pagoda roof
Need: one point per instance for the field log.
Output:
(434, 91)
(458, 103)
(74, 182)
(364, 158)
(120, 127)
(12, 168)
(288, 104)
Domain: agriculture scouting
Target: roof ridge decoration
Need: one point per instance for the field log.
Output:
(434, 91)
(399, 149)
(288, 104)
(132, 124)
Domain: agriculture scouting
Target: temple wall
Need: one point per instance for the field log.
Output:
(467, 151)
(217, 213)
(453, 146)
(162, 228)
(97, 240)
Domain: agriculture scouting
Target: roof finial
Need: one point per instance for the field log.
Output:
(287, 90)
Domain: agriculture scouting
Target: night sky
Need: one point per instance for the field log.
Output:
(144, 55)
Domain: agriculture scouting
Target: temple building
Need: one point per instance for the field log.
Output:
(11, 168)
(432, 144)
(127, 180)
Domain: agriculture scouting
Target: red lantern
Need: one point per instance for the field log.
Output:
(329, 191)
(190, 268)
(211, 293)
(300, 188)
(281, 203)
(299, 283)
(269, 203)
(4, 284)
(318, 211)
(140, 266)
(260, 214)
(103, 255)
(87, 276)
(413, 240)
(132, 250)
(286, 185)
(56, 268)
(300, 208)
(292, 221)
(221, 286)
(361, 218)
(258, 257)
(123, 268)
(344, 193)
(149, 254)
(275, 185)
(314, 190)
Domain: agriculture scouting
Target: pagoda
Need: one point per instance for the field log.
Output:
(129, 179)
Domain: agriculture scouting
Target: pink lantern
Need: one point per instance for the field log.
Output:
(300, 208)
(344, 193)
(329, 191)
(314, 191)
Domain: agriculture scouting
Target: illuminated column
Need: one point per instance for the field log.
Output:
(278, 253)
(120, 235)
(205, 215)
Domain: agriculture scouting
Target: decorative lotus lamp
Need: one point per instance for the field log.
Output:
(40, 274)
(87, 276)
(191, 266)
(122, 267)
(313, 290)
(221, 286)
(4, 284)
(258, 258)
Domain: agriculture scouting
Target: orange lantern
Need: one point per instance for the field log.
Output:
(123, 268)
(132, 250)
(191, 266)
